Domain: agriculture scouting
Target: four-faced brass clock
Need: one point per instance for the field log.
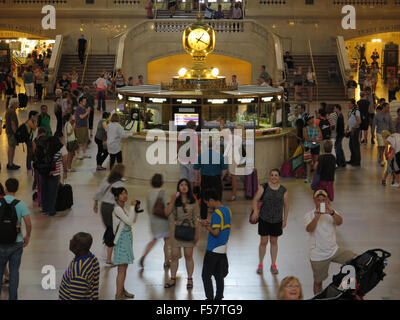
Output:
(199, 40)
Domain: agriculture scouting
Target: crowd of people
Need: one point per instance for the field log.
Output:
(317, 135)
(178, 218)
(235, 9)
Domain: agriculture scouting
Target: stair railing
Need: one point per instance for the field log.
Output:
(343, 59)
(54, 63)
(88, 52)
(313, 68)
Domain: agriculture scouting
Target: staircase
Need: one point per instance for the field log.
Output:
(328, 91)
(96, 63)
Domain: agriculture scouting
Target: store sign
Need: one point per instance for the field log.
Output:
(187, 101)
(267, 99)
(134, 99)
(218, 101)
(157, 100)
(246, 100)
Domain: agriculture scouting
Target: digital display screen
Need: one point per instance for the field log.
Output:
(182, 118)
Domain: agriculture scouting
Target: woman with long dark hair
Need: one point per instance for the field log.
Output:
(122, 221)
(185, 211)
(107, 205)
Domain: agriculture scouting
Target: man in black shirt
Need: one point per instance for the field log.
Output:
(81, 48)
(363, 105)
(288, 59)
(340, 159)
(324, 125)
(63, 82)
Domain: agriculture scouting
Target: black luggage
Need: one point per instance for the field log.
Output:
(65, 198)
(23, 100)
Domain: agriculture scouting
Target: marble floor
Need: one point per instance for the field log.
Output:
(371, 215)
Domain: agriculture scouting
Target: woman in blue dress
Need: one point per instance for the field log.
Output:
(123, 251)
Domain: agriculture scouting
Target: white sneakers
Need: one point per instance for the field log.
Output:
(396, 185)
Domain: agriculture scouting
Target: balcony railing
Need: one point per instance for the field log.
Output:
(226, 26)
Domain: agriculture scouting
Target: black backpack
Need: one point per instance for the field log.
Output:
(369, 270)
(9, 228)
(325, 127)
(46, 148)
(22, 135)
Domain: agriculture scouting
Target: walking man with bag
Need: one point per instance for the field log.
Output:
(12, 241)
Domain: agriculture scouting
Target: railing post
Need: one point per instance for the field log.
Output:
(313, 66)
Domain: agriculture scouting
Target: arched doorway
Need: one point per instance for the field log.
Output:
(163, 69)
(387, 45)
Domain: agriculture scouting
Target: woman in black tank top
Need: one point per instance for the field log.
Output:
(272, 217)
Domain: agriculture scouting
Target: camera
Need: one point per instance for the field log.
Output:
(137, 207)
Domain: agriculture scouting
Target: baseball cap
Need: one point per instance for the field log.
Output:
(308, 117)
(320, 193)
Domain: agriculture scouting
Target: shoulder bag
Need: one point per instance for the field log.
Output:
(159, 207)
(184, 231)
(259, 205)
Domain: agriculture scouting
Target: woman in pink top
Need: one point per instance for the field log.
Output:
(101, 87)
(74, 79)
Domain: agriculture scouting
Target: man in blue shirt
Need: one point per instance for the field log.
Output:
(215, 260)
(212, 168)
(12, 253)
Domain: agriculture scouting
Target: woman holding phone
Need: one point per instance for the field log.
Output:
(185, 211)
(123, 250)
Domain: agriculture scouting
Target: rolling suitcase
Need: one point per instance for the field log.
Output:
(23, 100)
(64, 199)
(251, 184)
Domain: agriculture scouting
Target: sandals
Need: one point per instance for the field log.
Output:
(189, 285)
(233, 198)
(170, 285)
(141, 262)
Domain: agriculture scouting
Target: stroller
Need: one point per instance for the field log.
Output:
(368, 273)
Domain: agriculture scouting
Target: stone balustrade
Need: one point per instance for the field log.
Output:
(179, 26)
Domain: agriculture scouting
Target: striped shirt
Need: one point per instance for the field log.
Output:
(58, 160)
(81, 279)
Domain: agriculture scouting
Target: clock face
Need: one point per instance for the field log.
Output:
(198, 39)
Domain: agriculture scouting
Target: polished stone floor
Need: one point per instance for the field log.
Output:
(371, 215)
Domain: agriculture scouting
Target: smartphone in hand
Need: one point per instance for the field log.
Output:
(322, 207)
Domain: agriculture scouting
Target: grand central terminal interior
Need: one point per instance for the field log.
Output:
(95, 93)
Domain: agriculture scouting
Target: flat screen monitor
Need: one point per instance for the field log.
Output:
(182, 118)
